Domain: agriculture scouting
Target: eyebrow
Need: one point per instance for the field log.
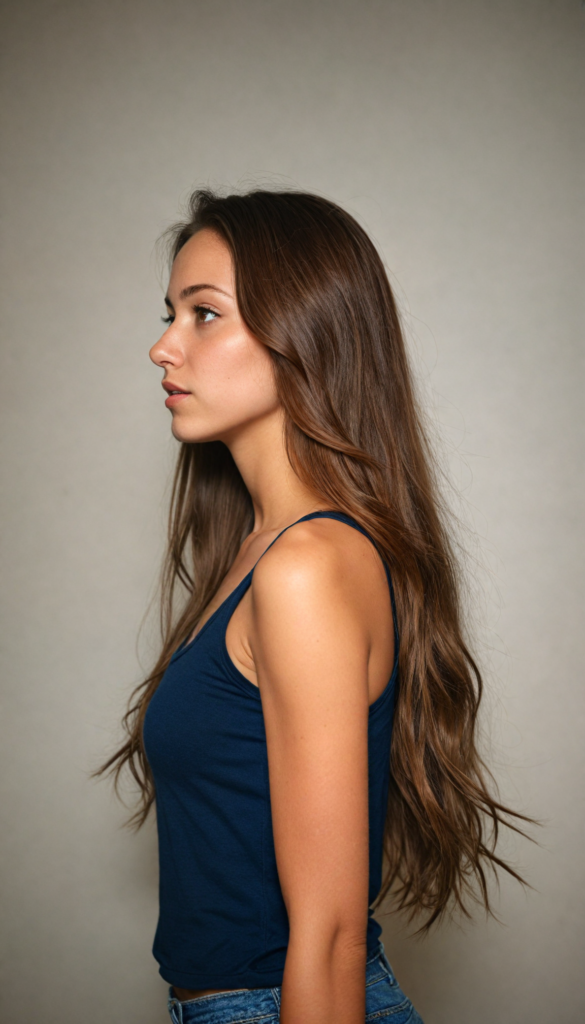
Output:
(192, 289)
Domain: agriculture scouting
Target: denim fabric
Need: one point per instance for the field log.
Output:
(384, 999)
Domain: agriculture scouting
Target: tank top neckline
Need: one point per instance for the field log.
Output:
(188, 645)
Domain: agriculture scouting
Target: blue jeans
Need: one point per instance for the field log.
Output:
(384, 999)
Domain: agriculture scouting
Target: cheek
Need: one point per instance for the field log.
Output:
(238, 374)
(242, 372)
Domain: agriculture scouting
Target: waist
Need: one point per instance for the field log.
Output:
(184, 994)
(264, 1001)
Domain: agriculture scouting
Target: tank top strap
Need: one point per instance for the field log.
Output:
(344, 518)
(309, 515)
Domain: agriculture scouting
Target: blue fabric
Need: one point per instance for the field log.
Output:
(384, 999)
(222, 920)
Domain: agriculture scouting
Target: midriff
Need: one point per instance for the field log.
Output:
(192, 993)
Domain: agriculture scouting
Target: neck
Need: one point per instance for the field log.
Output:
(278, 496)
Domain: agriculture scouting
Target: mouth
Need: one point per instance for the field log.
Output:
(174, 393)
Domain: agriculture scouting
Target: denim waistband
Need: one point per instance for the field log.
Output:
(379, 949)
(236, 1004)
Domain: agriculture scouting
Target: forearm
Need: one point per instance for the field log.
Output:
(324, 980)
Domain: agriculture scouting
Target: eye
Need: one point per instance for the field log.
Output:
(167, 319)
(204, 314)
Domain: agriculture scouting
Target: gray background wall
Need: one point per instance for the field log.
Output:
(451, 130)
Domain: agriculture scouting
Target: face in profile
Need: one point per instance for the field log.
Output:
(218, 378)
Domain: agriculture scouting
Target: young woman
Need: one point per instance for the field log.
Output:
(314, 703)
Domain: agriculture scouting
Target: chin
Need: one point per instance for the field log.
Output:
(191, 433)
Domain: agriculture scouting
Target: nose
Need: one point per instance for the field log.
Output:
(166, 351)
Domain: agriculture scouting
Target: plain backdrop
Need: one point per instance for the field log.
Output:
(452, 131)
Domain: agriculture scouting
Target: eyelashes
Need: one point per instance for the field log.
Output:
(200, 312)
(204, 310)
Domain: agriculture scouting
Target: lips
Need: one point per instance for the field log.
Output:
(175, 394)
(173, 389)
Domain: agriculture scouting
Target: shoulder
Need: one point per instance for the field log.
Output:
(317, 570)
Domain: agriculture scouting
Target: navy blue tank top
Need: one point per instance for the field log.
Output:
(222, 920)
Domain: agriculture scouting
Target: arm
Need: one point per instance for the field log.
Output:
(311, 647)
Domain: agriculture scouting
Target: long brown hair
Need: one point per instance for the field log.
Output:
(311, 286)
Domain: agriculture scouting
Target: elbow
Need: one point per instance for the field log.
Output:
(349, 943)
(339, 940)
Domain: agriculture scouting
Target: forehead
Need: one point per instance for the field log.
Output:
(204, 259)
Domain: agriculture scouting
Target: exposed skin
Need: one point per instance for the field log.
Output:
(313, 631)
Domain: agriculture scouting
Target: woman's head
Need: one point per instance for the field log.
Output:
(224, 376)
(308, 307)
(307, 330)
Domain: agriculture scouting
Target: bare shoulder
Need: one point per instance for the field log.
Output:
(320, 567)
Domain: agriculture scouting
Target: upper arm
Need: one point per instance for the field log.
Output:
(311, 647)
